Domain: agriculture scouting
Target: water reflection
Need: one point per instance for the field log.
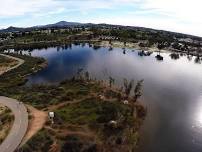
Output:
(198, 113)
(175, 56)
(144, 53)
(197, 60)
(124, 51)
(189, 57)
(159, 57)
(172, 89)
(110, 48)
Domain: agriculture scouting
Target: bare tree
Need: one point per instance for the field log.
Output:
(111, 81)
(79, 73)
(87, 76)
(128, 86)
(138, 90)
(137, 95)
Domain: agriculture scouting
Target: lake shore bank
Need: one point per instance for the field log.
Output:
(97, 42)
(87, 92)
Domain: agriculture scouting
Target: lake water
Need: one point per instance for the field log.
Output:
(172, 90)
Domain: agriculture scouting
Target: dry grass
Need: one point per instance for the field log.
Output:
(6, 122)
(6, 63)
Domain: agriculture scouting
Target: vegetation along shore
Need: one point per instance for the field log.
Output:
(102, 34)
(90, 115)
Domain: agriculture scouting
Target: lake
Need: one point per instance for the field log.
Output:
(172, 90)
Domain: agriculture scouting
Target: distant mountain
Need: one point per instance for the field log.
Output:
(64, 24)
(61, 24)
(12, 29)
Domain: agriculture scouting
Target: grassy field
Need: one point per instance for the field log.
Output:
(85, 122)
(92, 111)
(85, 125)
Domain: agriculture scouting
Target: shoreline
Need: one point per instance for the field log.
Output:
(26, 95)
(101, 43)
(129, 45)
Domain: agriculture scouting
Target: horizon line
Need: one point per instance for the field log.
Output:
(188, 34)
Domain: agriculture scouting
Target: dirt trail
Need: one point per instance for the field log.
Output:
(62, 104)
(82, 133)
(20, 62)
(36, 123)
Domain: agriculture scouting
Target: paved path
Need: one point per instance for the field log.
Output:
(19, 127)
(20, 62)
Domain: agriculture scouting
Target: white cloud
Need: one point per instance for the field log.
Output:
(11, 8)
(168, 24)
(182, 9)
(177, 15)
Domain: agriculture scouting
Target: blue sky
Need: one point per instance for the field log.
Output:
(174, 15)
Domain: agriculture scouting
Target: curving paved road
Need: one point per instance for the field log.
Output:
(20, 125)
